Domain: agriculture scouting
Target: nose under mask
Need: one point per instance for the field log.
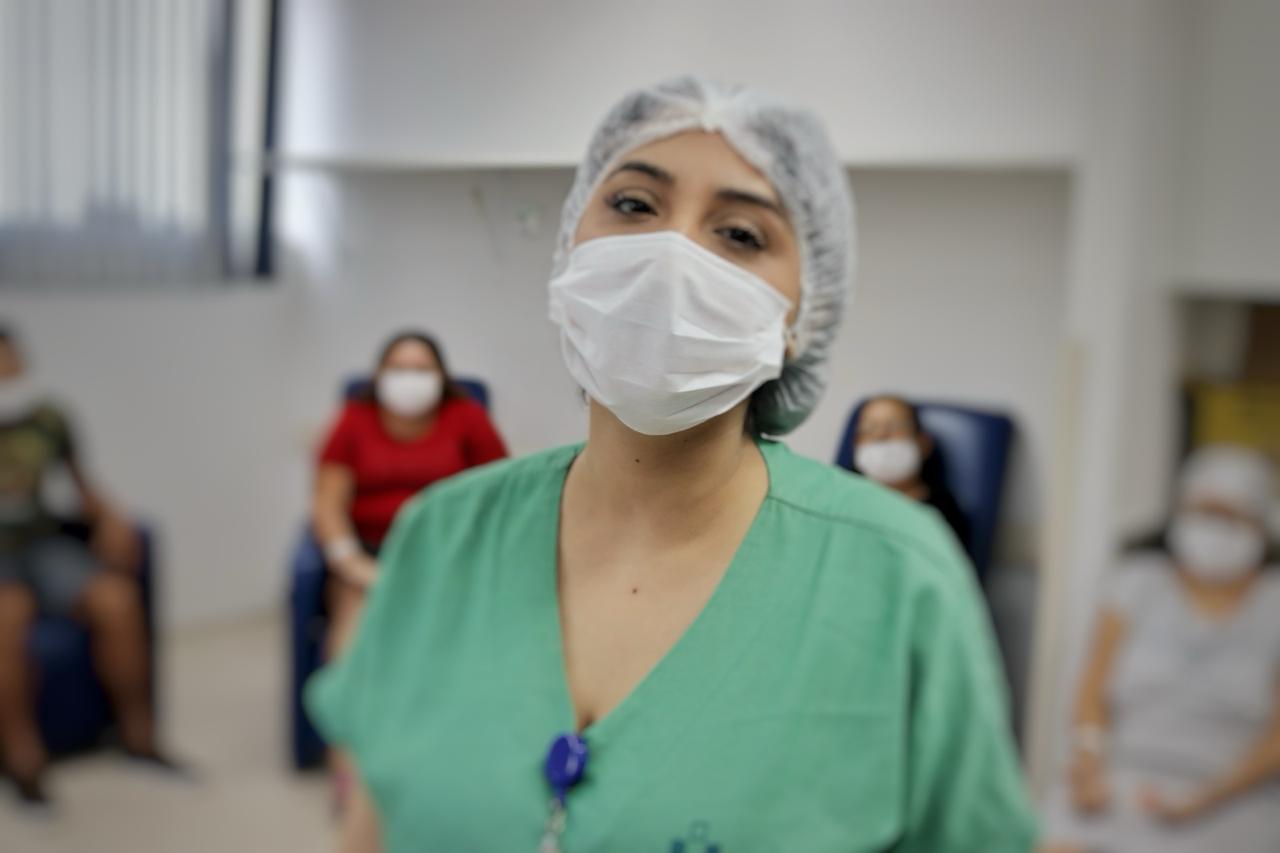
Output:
(18, 398)
(664, 333)
(892, 461)
(409, 393)
(1216, 549)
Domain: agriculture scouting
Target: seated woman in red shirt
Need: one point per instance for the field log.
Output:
(413, 427)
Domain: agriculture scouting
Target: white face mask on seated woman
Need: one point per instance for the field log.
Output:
(1216, 549)
(891, 461)
(664, 333)
(18, 397)
(409, 393)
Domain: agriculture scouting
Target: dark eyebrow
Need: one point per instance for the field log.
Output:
(753, 199)
(644, 168)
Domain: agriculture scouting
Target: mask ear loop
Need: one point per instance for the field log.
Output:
(791, 343)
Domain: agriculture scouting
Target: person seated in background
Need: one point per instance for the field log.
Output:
(44, 571)
(411, 427)
(1177, 718)
(891, 447)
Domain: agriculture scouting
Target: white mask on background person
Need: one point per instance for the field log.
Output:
(409, 393)
(1216, 549)
(19, 397)
(664, 333)
(893, 461)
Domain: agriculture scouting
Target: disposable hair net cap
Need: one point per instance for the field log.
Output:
(790, 147)
(1236, 476)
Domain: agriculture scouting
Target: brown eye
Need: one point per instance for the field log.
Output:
(742, 238)
(630, 205)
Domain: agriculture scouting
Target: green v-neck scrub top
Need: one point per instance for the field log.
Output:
(839, 692)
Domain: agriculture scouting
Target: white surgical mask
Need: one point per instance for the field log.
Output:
(1216, 549)
(892, 461)
(409, 393)
(19, 397)
(664, 333)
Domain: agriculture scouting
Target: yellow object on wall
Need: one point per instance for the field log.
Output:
(1246, 413)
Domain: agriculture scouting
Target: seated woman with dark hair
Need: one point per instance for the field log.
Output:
(891, 447)
(412, 427)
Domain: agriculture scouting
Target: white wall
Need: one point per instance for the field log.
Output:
(1160, 152)
(489, 82)
(1234, 135)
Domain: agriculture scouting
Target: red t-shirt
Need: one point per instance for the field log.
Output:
(388, 472)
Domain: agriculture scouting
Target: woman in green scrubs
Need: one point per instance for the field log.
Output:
(753, 651)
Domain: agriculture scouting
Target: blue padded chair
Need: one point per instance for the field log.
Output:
(71, 705)
(308, 616)
(973, 449)
(474, 388)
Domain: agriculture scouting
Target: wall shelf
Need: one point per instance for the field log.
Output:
(394, 164)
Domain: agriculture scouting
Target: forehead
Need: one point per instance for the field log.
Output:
(409, 350)
(704, 159)
(885, 410)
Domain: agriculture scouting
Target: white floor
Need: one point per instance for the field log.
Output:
(224, 697)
